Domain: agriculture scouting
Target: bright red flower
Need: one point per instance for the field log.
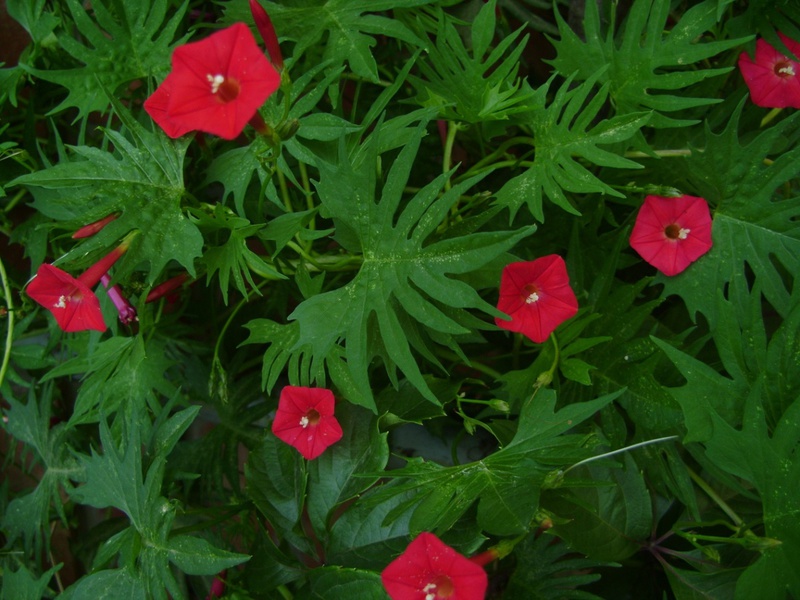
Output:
(71, 299)
(537, 297)
(771, 76)
(429, 569)
(72, 302)
(216, 85)
(672, 233)
(305, 420)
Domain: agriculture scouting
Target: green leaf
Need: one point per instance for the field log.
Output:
(196, 556)
(38, 22)
(142, 179)
(645, 61)
(119, 47)
(544, 572)
(276, 482)
(233, 258)
(473, 88)
(769, 464)
(693, 585)
(117, 372)
(561, 139)
(610, 521)
(329, 582)
(340, 27)
(706, 391)
(402, 285)
(506, 484)
(29, 515)
(362, 538)
(754, 226)
(111, 584)
(339, 473)
(23, 585)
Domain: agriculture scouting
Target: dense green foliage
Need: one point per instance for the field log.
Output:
(414, 148)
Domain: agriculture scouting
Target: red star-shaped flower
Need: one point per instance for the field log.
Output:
(71, 301)
(771, 76)
(305, 420)
(216, 85)
(429, 569)
(537, 297)
(672, 233)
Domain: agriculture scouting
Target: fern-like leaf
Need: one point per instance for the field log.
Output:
(564, 132)
(125, 42)
(399, 297)
(644, 62)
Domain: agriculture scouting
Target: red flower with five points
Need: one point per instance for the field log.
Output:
(672, 233)
(771, 76)
(429, 569)
(537, 297)
(216, 85)
(305, 420)
(71, 299)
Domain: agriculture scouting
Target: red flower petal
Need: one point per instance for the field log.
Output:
(216, 85)
(771, 76)
(429, 569)
(537, 297)
(73, 304)
(672, 233)
(305, 420)
(157, 107)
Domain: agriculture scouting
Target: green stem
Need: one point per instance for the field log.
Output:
(501, 150)
(287, 202)
(662, 153)
(452, 129)
(15, 200)
(715, 497)
(770, 116)
(10, 332)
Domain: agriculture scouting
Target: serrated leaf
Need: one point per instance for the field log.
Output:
(644, 60)
(473, 88)
(142, 179)
(120, 47)
(768, 463)
(117, 371)
(23, 585)
(29, 516)
(402, 284)
(753, 225)
(561, 139)
(341, 27)
(232, 259)
(545, 571)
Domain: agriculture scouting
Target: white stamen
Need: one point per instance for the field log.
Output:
(304, 421)
(215, 81)
(787, 70)
(683, 234)
(430, 591)
(534, 297)
(62, 302)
